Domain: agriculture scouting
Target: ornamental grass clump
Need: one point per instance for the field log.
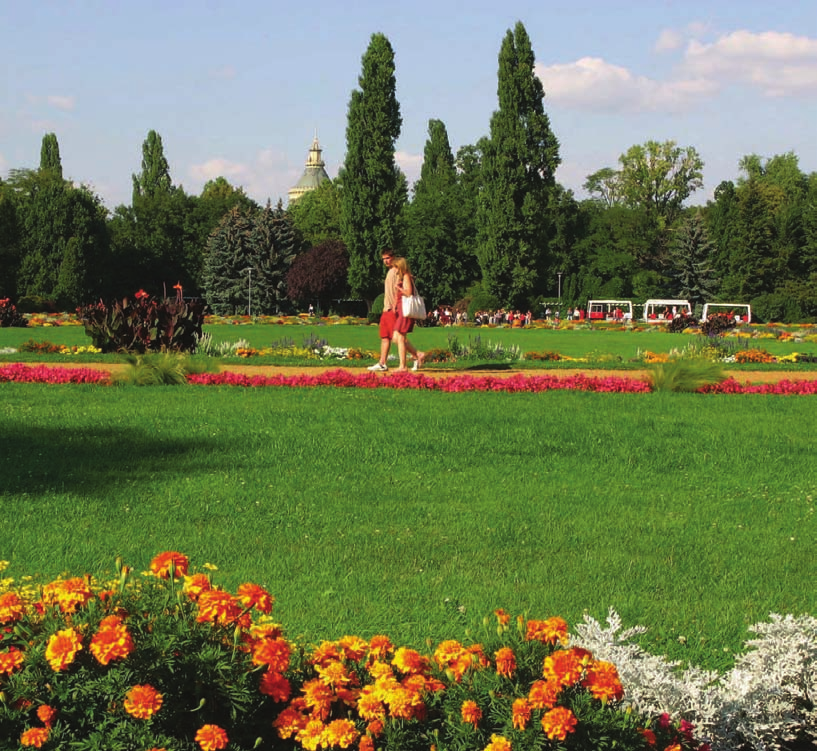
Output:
(169, 659)
(686, 375)
(161, 370)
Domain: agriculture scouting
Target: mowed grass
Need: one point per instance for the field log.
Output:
(596, 344)
(416, 514)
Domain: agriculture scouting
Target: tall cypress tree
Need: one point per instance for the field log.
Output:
(50, 162)
(373, 191)
(519, 162)
(691, 256)
(154, 179)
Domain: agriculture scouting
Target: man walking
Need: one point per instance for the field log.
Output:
(388, 318)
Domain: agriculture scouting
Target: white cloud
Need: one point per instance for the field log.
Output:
(65, 103)
(410, 164)
(779, 64)
(3, 165)
(669, 39)
(593, 83)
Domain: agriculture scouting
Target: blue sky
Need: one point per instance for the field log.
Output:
(239, 89)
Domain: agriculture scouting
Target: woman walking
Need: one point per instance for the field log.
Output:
(404, 326)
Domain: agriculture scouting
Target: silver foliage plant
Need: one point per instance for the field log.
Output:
(764, 702)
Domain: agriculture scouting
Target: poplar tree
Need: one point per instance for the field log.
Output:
(519, 161)
(373, 189)
(50, 162)
(154, 179)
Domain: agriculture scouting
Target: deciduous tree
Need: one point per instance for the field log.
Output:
(319, 275)
(50, 161)
(155, 175)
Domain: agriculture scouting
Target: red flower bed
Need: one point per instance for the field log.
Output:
(787, 388)
(19, 373)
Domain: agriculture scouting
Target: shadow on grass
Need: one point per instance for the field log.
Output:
(92, 460)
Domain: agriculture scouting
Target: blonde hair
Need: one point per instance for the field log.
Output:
(401, 264)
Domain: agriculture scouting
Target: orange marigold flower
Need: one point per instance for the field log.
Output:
(409, 661)
(34, 737)
(521, 713)
(558, 722)
(211, 738)
(318, 697)
(478, 655)
(12, 608)
(380, 647)
(404, 704)
(272, 652)
(369, 706)
(68, 594)
(333, 674)
(254, 596)
(603, 682)
(549, 631)
(196, 584)
(471, 712)
(565, 666)
(505, 662)
(674, 747)
(222, 609)
(324, 653)
(380, 670)
(112, 641)
(366, 743)
(341, 733)
(502, 617)
(46, 714)
(161, 565)
(498, 743)
(354, 648)
(375, 728)
(311, 735)
(142, 702)
(543, 694)
(275, 686)
(649, 736)
(11, 659)
(289, 722)
(62, 648)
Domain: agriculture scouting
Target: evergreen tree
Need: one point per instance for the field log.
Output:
(519, 161)
(274, 244)
(154, 178)
(373, 194)
(9, 242)
(691, 260)
(50, 162)
(227, 260)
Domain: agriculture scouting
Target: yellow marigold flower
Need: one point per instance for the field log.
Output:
(333, 674)
(142, 702)
(340, 733)
(34, 737)
(409, 661)
(46, 715)
(11, 659)
(266, 631)
(498, 743)
(505, 662)
(272, 652)
(311, 735)
(549, 631)
(543, 694)
(196, 584)
(380, 670)
(318, 697)
(558, 722)
(369, 706)
(12, 608)
(253, 596)
(603, 682)
(521, 713)
(68, 594)
(62, 648)
(211, 738)
(566, 667)
(404, 704)
(471, 713)
(112, 641)
(289, 722)
(162, 564)
(275, 686)
(354, 648)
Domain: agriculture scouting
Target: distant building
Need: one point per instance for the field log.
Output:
(313, 175)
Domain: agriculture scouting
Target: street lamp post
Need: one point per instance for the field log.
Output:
(560, 284)
(249, 291)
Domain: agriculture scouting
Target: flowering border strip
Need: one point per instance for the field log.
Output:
(457, 383)
(19, 373)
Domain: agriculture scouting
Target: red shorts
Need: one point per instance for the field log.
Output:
(388, 319)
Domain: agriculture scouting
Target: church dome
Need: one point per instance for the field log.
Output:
(314, 173)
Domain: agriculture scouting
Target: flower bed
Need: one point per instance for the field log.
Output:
(169, 659)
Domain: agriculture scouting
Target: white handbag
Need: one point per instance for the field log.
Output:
(413, 305)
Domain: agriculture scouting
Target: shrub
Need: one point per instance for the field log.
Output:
(144, 324)
(718, 324)
(543, 356)
(9, 315)
(40, 348)
(482, 301)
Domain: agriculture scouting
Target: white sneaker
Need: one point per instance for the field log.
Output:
(378, 368)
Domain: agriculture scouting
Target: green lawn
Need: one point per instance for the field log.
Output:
(414, 513)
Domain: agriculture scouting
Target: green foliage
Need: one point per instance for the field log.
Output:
(690, 257)
(50, 161)
(317, 214)
(686, 375)
(144, 324)
(482, 301)
(519, 160)
(476, 349)
(166, 369)
(154, 179)
(373, 190)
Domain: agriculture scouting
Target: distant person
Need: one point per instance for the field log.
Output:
(311, 309)
(404, 326)
(388, 318)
